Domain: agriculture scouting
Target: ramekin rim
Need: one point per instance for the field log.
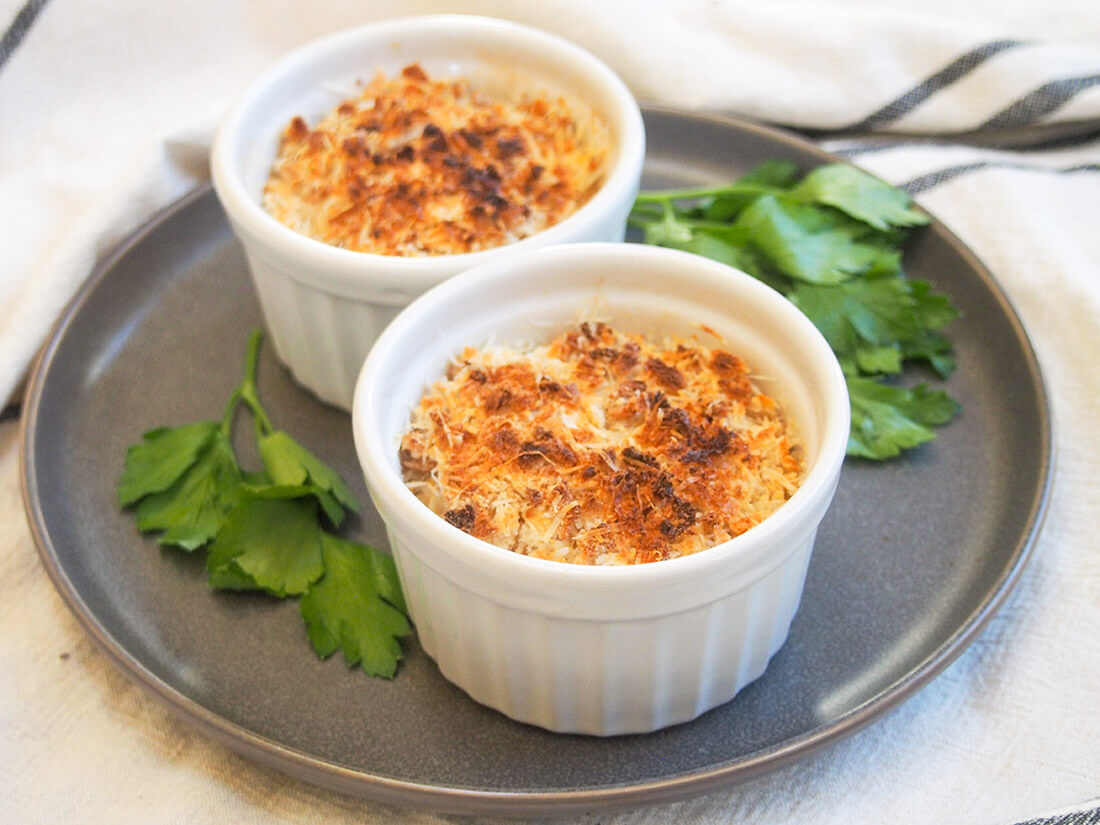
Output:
(815, 491)
(341, 266)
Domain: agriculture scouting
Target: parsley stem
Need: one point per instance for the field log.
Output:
(697, 192)
(642, 219)
(246, 391)
(249, 394)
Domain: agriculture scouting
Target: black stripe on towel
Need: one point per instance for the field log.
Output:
(952, 72)
(932, 179)
(1080, 817)
(1041, 102)
(19, 27)
(1037, 137)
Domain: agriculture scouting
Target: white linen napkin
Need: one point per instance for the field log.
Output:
(104, 116)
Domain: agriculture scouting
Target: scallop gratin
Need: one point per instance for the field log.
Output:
(415, 167)
(601, 448)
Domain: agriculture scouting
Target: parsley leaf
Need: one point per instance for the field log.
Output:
(356, 607)
(288, 462)
(888, 419)
(863, 196)
(873, 324)
(269, 544)
(163, 455)
(807, 243)
(191, 511)
(831, 242)
(261, 528)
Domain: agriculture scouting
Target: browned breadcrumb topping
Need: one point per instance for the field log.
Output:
(601, 448)
(414, 166)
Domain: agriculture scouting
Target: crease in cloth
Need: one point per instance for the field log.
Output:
(20, 26)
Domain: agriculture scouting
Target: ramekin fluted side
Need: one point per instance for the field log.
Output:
(321, 337)
(567, 675)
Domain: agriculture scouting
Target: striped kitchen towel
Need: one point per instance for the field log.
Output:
(1087, 813)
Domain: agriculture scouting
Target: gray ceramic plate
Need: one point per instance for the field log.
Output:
(911, 561)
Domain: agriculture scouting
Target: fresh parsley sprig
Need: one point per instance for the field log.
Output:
(263, 531)
(831, 242)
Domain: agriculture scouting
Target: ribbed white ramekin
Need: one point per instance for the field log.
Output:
(601, 650)
(324, 306)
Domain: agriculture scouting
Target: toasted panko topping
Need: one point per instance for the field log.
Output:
(415, 166)
(601, 448)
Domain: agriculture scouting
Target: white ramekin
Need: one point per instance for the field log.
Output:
(324, 306)
(601, 650)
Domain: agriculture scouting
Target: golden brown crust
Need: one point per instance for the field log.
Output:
(601, 448)
(420, 167)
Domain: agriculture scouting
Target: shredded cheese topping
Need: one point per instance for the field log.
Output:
(600, 448)
(414, 167)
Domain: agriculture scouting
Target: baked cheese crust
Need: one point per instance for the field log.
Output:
(601, 448)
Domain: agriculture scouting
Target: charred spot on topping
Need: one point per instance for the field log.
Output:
(509, 147)
(496, 203)
(684, 514)
(505, 440)
(431, 130)
(357, 190)
(707, 447)
(530, 453)
(415, 462)
(663, 488)
(665, 374)
(462, 517)
(677, 420)
(724, 362)
(406, 153)
(480, 183)
(498, 400)
(634, 454)
(546, 385)
(472, 140)
(297, 130)
(478, 376)
(627, 358)
(547, 447)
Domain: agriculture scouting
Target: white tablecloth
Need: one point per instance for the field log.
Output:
(103, 110)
